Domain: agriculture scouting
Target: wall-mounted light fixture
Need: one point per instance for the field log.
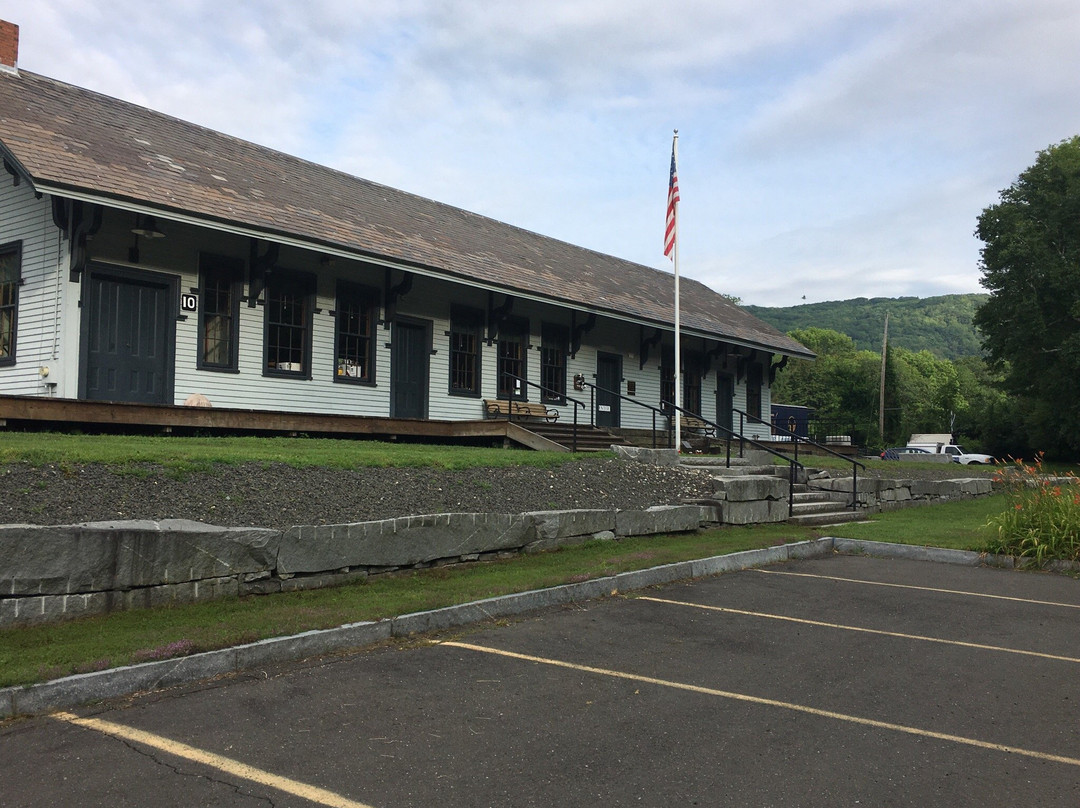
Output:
(145, 226)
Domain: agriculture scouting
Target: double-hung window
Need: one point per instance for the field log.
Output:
(465, 331)
(667, 380)
(554, 342)
(754, 376)
(221, 283)
(354, 319)
(290, 303)
(10, 278)
(691, 376)
(513, 342)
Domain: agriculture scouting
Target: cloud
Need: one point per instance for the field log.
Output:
(827, 146)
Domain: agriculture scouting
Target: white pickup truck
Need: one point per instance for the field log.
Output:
(943, 444)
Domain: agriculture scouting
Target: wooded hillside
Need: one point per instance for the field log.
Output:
(941, 325)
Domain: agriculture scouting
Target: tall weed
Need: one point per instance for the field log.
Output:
(1042, 521)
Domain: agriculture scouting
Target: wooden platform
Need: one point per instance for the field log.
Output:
(111, 416)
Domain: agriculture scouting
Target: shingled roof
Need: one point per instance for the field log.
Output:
(71, 141)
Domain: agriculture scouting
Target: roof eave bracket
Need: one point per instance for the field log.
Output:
(578, 331)
(78, 221)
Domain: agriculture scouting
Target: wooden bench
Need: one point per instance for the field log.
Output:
(695, 424)
(519, 409)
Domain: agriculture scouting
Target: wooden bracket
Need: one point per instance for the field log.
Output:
(578, 331)
(496, 316)
(646, 345)
(261, 266)
(394, 293)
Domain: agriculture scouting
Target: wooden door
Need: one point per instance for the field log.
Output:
(409, 359)
(129, 333)
(608, 382)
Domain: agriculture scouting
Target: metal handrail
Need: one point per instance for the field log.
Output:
(792, 462)
(593, 388)
(795, 440)
(557, 394)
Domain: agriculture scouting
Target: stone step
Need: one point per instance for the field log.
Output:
(820, 496)
(717, 460)
(831, 518)
(738, 471)
(830, 506)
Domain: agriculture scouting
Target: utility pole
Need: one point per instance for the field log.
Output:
(881, 404)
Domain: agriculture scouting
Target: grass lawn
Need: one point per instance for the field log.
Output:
(184, 454)
(40, 653)
(957, 525)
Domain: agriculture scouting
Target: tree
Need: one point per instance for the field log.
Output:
(840, 385)
(1031, 267)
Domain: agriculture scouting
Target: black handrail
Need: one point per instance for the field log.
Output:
(593, 388)
(792, 462)
(796, 438)
(555, 393)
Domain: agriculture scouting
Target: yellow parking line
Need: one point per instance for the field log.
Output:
(228, 765)
(785, 705)
(919, 637)
(922, 588)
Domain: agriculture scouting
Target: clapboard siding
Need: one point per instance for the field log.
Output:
(46, 338)
(28, 220)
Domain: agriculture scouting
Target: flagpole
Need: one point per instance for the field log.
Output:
(678, 333)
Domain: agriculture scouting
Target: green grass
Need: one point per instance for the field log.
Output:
(959, 525)
(894, 468)
(186, 454)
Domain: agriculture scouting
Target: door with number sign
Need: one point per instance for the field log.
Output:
(608, 384)
(128, 335)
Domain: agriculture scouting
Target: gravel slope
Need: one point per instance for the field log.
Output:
(280, 496)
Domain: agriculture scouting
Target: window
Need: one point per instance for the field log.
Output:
(465, 325)
(554, 341)
(221, 282)
(10, 278)
(289, 307)
(513, 341)
(753, 390)
(667, 380)
(692, 364)
(357, 311)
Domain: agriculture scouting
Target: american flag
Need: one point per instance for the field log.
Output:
(672, 201)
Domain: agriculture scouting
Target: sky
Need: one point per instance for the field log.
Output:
(828, 149)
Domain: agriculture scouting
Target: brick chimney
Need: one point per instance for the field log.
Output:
(9, 46)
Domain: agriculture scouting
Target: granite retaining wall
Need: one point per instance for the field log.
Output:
(60, 572)
(876, 494)
(54, 573)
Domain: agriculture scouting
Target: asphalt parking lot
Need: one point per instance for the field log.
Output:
(839, 681)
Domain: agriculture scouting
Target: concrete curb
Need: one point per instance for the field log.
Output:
(71, 691)
(912, 552)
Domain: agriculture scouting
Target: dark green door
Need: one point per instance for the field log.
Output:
(608, 382)
(725, 399)
(128, 337)
(409, 351)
